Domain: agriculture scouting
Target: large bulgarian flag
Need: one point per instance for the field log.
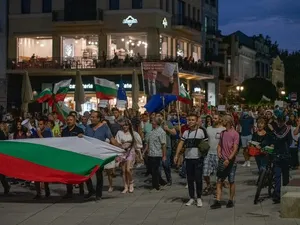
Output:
(184, 96)
(69, 160)
(105, 89)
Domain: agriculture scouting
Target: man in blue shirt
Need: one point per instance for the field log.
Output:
(247, 124)
(99, 130)
(42, 132)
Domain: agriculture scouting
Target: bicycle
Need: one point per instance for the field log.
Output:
(266, 178)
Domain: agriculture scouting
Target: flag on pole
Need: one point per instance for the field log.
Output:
(69, 160)
(159, 102)
(44, 95)
(61, 89)
(184, 96)
(121, 96)
(105, 89)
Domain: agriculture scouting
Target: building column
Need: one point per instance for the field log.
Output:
(57, 51)
(12, 48)
(185, 49)
(190, 51)
(153, 44)
(103, 45)
(174, 47)
(169, 47)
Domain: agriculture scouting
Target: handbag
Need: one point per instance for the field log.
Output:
(203, 148)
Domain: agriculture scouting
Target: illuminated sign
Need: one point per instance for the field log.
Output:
(165, 22)
(129, 21)
(126, 86)
(85, 86)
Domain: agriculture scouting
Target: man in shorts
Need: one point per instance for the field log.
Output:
(211, 160)
(246, 124)
(227, 150)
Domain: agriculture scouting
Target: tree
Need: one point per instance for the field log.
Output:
(256, 88)
(291, 62)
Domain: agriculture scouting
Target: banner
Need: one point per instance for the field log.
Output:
(160, 78)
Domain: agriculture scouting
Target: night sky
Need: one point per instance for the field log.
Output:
(280, 19)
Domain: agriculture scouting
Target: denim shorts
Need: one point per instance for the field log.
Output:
(229, 173)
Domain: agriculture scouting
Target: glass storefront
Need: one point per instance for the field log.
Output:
(34, 48)
(80, 47)
(131, 44)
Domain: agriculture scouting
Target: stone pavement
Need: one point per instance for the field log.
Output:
(141, 207)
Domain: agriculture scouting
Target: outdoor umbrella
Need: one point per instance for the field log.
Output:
(26, 92)
(135, 90)
(79, 96)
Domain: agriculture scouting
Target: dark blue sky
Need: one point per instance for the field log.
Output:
(280, 19)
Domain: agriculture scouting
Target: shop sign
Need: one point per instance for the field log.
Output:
(197, 90)
(126, 86)
(165, 22)
(129, 21)
(85, 86)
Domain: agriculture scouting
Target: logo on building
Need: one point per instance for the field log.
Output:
(165, 22)
(129, 21)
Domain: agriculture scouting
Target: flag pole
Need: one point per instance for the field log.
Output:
(178, 116)
(163, 100)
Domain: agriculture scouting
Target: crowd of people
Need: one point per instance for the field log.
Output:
(202, 144)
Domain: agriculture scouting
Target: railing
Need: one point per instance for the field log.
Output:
(90, 15)
(93, 63)
(178, 20)
(212, 31)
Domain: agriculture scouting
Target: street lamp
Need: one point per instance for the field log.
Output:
(239, 88)
(282, 92)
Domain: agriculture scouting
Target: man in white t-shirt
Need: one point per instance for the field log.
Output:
(190, 140)
(211, 160)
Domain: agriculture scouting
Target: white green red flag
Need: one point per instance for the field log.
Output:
(61, 89)
(69, 160)
(184, 96)
(44, 96)
(105, 89)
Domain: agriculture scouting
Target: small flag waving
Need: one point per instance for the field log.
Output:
(121, 96)
(184, 96)
(105, 89)
(264, 98)
(61, 89)
(55, 159)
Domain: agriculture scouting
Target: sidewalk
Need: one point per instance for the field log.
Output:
(141, 207)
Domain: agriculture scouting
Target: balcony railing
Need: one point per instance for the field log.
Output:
(178, 20)
(94, 63)
(91, 15)
(213, 31)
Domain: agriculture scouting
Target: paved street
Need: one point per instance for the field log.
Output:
(141, 207)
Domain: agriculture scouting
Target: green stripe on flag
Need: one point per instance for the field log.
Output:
(53, 157)
(106, 90)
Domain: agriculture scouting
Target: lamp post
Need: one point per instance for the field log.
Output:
(239, 90)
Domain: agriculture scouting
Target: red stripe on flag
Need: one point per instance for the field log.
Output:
(22, 169)
(184, 100)
(104, 96)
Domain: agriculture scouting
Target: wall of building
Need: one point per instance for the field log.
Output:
(3, 53)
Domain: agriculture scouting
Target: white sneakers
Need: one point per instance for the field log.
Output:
(192, 201)
(247, 163)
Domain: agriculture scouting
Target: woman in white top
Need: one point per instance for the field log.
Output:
(131, 142)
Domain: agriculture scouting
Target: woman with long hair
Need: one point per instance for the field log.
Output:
(131, 142)
(20, 131)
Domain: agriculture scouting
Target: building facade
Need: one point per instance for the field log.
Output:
(263, 59)
(53, 38)
(3, 54)
(278, 73)
(240, 60)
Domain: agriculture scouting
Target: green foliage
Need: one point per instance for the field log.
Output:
(255, 88)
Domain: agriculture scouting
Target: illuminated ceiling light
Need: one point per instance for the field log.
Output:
(127, 42)
(138, 45)
(89, 42)
(122, 39)
(132, 44)
(76, 41)
(130, 41)
(140, 42)
(37, 42)
(96, 43)
(42, 45)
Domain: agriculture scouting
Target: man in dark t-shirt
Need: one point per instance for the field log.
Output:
(72, 131)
